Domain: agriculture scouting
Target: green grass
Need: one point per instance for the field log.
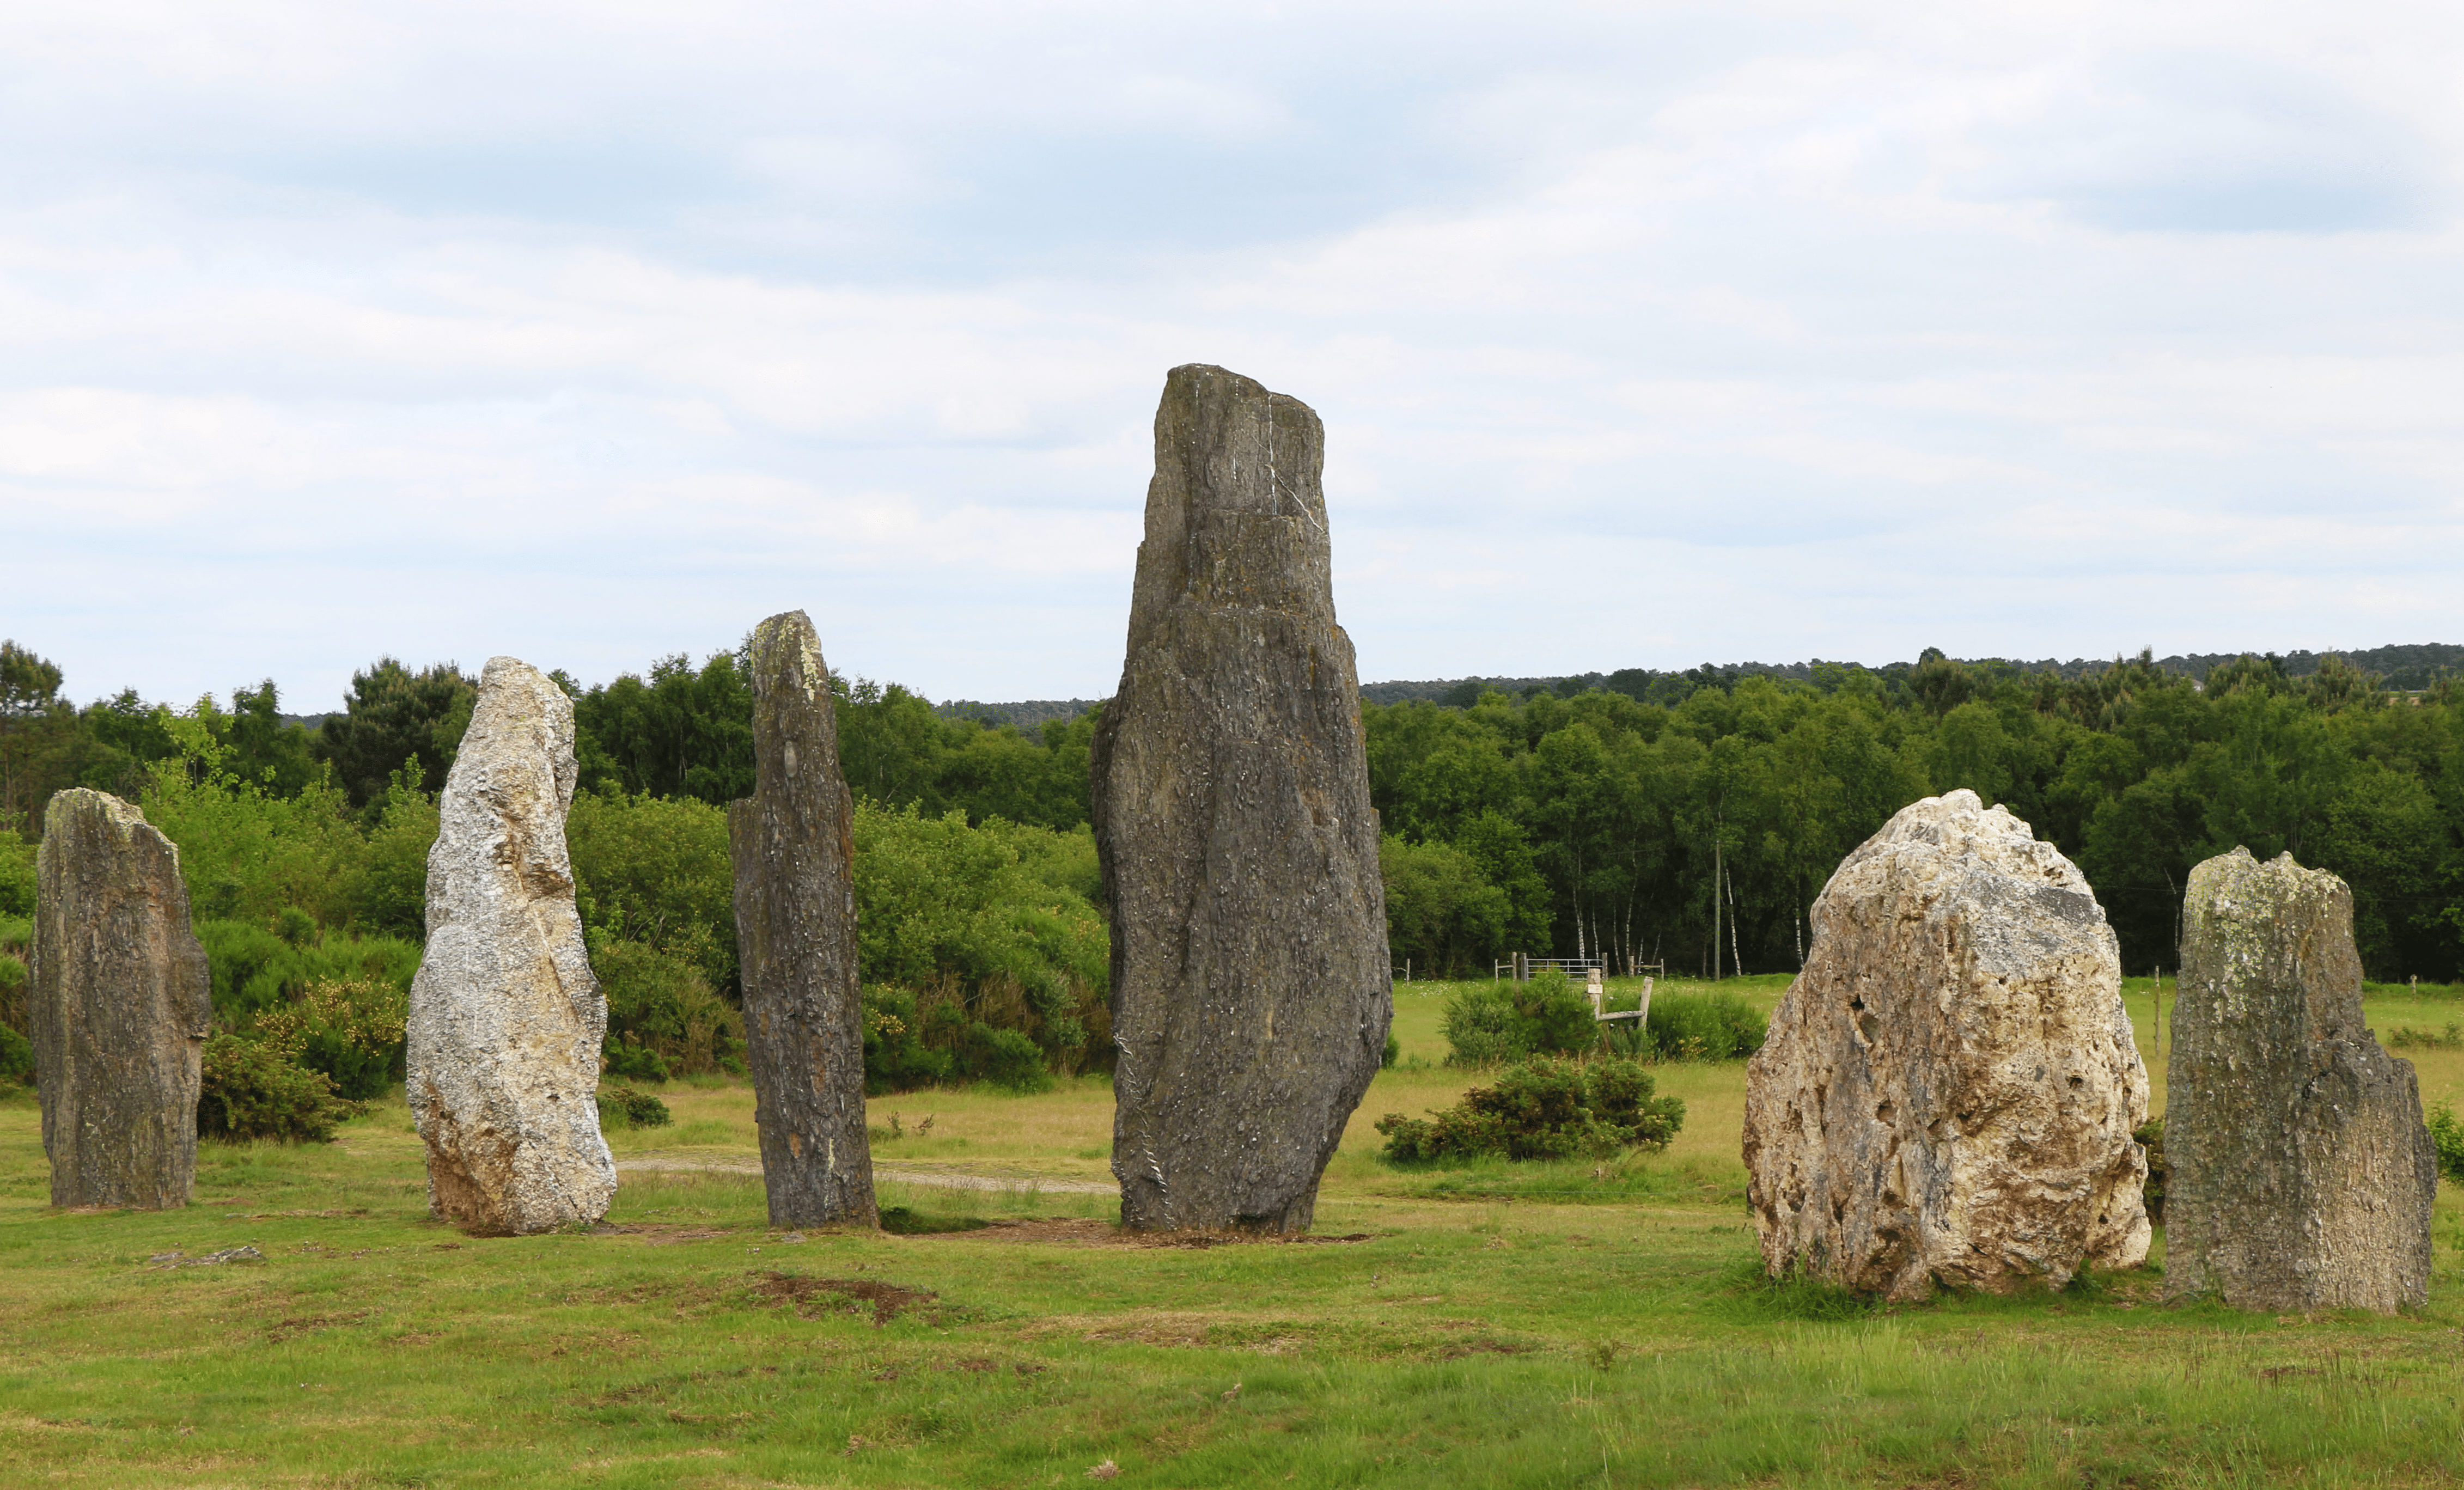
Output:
(1540, 1326)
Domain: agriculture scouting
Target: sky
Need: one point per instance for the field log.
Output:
(1645, 335)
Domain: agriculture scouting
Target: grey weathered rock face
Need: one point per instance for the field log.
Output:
(2300, 1173)
(121, 1004)
(793, 844)
(506, 1017)
(1250, 980)
(1950, 1087)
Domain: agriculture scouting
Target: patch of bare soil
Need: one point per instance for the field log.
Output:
(1197, 1329)
(1056, 1230)
(660, 1234)
(310, 1324)
(1238, 1239)
(1066, 1232)
(887, 1300)
(357, 1213)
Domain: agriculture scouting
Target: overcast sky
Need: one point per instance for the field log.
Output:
(1644, 334)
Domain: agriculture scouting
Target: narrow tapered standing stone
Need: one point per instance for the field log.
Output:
(121, 1004)
(793, 842)
(506, 1017)
(2300, 1174)
(1251, 988)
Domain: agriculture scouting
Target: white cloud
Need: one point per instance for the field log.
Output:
(597, 333)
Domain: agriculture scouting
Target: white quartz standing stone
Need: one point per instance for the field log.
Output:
(506, 1017)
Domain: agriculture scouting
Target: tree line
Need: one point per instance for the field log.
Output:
(1594, 823)
(1603, 824)
(305, 856)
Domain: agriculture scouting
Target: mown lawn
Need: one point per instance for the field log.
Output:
(1570, 1324)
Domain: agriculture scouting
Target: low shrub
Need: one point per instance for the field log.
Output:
(1543, 1110)
(663, 1004)
(14, 975)
(2410, 1037)
(1488, 1023)
(1705, 1026)
(2447, 1134)
(17, 880)
(627, 1060)
(1006, 1059)
(2151, 1135)
(16, 1059)
(251, 1090)
(986, 924)
(622, 1107)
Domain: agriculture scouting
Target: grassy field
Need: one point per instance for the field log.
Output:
(1564, 1325)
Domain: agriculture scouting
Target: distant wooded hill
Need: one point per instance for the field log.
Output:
(1028, 714)
(2415, 665)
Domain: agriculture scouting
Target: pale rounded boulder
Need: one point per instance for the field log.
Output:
(1948, 1090)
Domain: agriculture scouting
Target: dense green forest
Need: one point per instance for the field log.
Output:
(1593, 823)
(1600, 823)
(305, 854)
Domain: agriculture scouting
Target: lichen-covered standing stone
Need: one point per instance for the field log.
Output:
(2300, 1173)
(793, 843)
(1251, 986)
(506, 1017)
(121, 1004)
(1950, 1087)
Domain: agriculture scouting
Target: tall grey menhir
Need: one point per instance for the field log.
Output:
(793, 843)
(1251, 988)
(120, 1005)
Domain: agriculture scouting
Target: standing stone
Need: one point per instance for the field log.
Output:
(506, 1017)
(794, 846)
(1250, 976)
(1950, 1087)
(2300, 1175)
(121, 1004)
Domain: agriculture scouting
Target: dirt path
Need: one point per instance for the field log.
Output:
(947, 1179)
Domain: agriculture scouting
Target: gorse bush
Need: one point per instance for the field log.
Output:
(913, 1039)
(1487, 1023)
(895, 1057)
(1543, 1110)
(253, 1091)
(351, 1031)
(257, 968)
